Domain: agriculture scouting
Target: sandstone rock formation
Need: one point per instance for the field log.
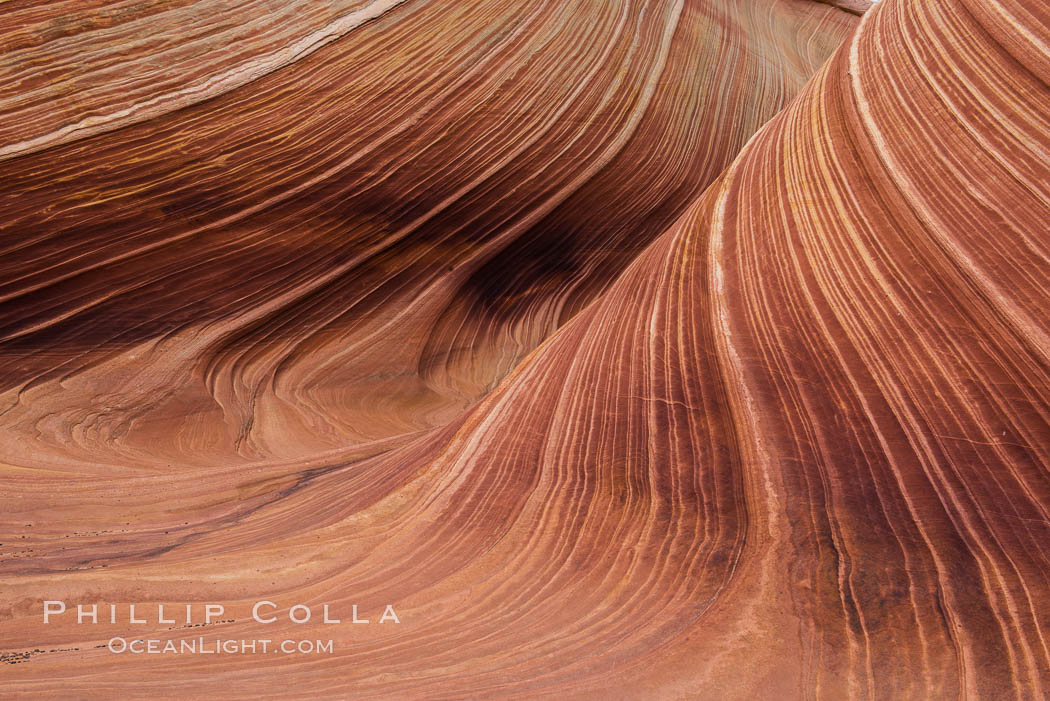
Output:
(682, 349)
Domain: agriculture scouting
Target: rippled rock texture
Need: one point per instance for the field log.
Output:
(639, 349)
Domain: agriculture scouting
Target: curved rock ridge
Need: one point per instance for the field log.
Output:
(357, 244)
(525, 351)
(857, 7)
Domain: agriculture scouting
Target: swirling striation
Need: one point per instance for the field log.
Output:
(486, 309)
